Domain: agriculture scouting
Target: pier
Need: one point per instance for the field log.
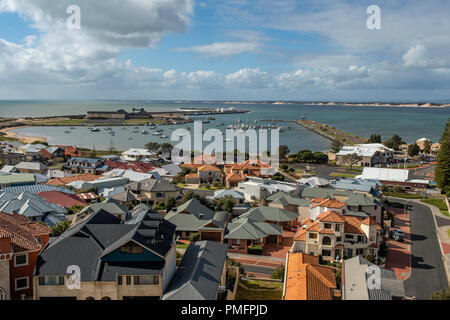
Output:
(326, 131)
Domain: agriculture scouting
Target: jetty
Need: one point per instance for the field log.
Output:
(326, 131)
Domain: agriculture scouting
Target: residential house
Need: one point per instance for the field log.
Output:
(257, 188)
(291, 202)
(335, 236)
(12, 158)
(253, 168)
(104, 183)
(357, 204)
(191, 216)
(366, 186)
(358, 282)
(64, 200)
(7, 169)
(18, 179)
(20, 243)
(117, 261)
(134, 154)
(314, 182)
(372, 154)
(152, 191)
(206, 174)
(31, 167)
(201, 274)
(306, 279)
(136, 166)
(64, 181)
(32, 206)
(78, 165)
(52, 152)
(126, 197)
(109, 205)
(32, 151)
(243, 232)
(240, 205)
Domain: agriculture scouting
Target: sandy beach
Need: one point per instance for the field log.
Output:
(23, 138)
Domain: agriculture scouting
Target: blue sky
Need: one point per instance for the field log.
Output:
(225, 50)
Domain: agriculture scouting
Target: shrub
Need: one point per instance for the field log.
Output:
(278, 273)
(193, 237)
(255, 249)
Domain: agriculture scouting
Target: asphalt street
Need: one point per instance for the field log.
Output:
(427, 269)
(258, 269)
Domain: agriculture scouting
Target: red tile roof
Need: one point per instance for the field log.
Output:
(22, 231)
(328, 203)
(132, 165)
(66, 180)
(65, 200)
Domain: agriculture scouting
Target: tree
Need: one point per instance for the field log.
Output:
(60, 228)
(336, 145)
(394, 142)
(427, 146)
(188, 195)
(441, 295)
(374, 138)
(305, 156)
(442, 171)
(194, 237)
(226, 204)
(351, 159)
(283, 151)
(166, 145)
(278, 273)
(152, 146)
(171, 203)
(413, 149)
(320, 157)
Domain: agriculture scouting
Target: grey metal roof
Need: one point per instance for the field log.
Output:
(264, 213)
(199, 274)
(87, 242)
(38, 188)
(245, 228)
(190, 216)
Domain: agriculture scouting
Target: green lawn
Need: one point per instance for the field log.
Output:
(342, 175)
(402, 195)
(448, 232)
(274, 290)
(440, 203)
(68, 122)
(182, 246)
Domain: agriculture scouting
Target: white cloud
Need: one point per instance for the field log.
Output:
(418, 57)
(248, 78)
(224, 48)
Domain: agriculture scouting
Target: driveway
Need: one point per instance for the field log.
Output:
(427, 270)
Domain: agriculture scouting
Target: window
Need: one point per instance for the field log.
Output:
(51, 281)
(146, 280)
(39, 239)
(327, 226)
(119, 280)
(22, 283)
(160, 194)
(326, 241)
(348, 236)
(131, 248)
(313, 235)
(338, 239)
(236, 242)
(326, 253)
(21, 260)
(337, 227)
(361, 239)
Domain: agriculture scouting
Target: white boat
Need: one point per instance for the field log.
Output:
(164, 136)
(135, 131)
(67, 131)
(145, 132)
(95, 130)
(156, 133)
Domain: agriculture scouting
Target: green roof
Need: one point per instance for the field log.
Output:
(17, 178)
(190, 216)
(287, 199)
(247, 229)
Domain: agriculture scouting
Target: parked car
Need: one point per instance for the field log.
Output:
(397, 235)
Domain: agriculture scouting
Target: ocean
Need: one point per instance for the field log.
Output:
(408, 122)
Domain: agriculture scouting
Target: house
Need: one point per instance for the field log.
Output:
(32, 206)
(52, 152)
(393, 177)
(78, 165)
(243, 232)
(306, 279)
(31, 167)
(257, 188)
(201, 274)
(253, 168)
(289, 201)
(134, 154)
(64, 200)
(206, 174)
(126, 197)
(69, 151)
(369, 187)
(104, 183)
(109, 205)
(32, 151)
(357, 204)
(117, 261)
(35, 189)
(335, 236)
(190, 217)
(314, 182)
(240, 205)
(63, 181)
(136, 166)
(284, 218)
(7, 169)
(356, 274)
(21, 241)
(19, 179)
(12, 158)
(152, 191)
(115, 115)
(372, 154)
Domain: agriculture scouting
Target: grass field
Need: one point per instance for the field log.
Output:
(448, 232)
(402, 195)
(260, 290)
(440, 203)
(343, 175)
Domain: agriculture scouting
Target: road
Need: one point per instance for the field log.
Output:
(258, 269)
(427, 269)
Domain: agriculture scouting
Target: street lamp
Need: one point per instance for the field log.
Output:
(405, 204)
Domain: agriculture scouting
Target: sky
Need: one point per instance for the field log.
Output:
(225, 50)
